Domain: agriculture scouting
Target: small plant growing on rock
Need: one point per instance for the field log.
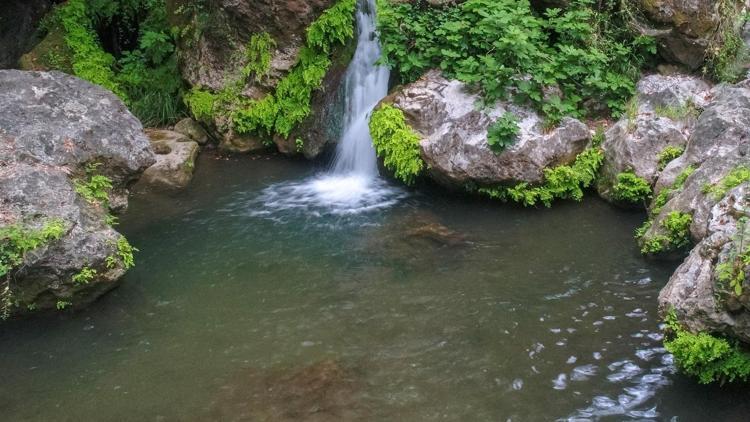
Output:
(704, 356)
(62, 304)
(631, 188)
(84, 276)
(258, 52)
(96, 188)
(123, 255)
(677, 234)
(731, 273)
(503, 133)
(668, 154)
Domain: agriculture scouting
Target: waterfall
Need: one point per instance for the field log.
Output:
(352, 185)
(366, 83)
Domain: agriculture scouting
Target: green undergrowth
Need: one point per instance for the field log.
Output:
(586, 50)
(727, 54)
(142, 68)
(631, 188)
(279, 112)
(562, 182)
(16, 241)
(734, 178)
(396, 143)
(704, 356)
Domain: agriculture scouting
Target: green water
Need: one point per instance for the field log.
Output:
(435, 308)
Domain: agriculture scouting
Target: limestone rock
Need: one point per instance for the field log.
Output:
(454, 135)
(192, 130)
(56, 130)
(175, 160)
(666, 111)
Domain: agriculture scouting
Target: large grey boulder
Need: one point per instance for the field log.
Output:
(454, 135)
(665, 110)
(56, 133)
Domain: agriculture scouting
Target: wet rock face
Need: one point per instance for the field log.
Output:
(719, 144)
(666, 111)
(454, 136)
(175, 160)
(225, 27)
(52, 127)
(683, 29)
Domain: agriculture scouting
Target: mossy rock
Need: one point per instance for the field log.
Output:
(52, 53)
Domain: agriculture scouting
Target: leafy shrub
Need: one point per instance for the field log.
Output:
(706, 357)
(503, 133)
(562, 182)
(668, 154)
(200, 103)
(396, 143)
(96, 188)
(498, 44)
(631, 188)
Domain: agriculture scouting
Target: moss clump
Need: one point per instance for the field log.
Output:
(704, 356)
(396, 143)
(669, 154)
(201, 104)
(562, 182)
(631, 188)
(734, 178)
(663, 197)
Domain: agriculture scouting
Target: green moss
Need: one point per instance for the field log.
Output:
(677, 112)
(704, 356)
(631, 188)
(562, 182)
(733, 179)
(666, 193)
(396, 143)
(669, 154)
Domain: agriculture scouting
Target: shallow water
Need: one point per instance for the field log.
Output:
(242, 307)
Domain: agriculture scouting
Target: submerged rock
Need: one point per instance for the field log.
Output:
(454, 132)
(663, 114)
(175, 160)
(60, 139)
(323, 391)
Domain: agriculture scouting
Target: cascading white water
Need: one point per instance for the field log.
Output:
(366, 84)
(352, 186)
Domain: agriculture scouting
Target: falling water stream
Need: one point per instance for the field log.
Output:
(352, 185)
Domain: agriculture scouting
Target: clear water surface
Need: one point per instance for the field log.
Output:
(248, 305)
